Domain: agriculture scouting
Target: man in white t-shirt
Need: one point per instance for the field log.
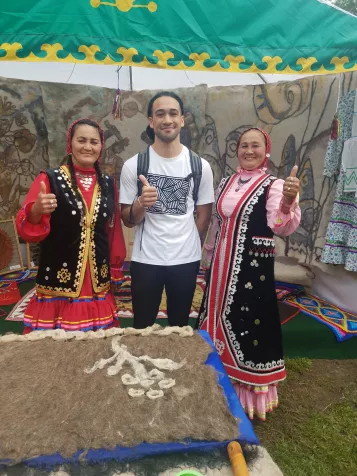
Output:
(168, 238)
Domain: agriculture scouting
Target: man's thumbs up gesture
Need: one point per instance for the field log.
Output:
(148, 196)
(291, 187)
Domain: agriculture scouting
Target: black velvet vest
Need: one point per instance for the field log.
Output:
(249, 316)
(74, 239)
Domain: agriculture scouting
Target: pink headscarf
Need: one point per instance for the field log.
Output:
(69, 140)
(264, 165)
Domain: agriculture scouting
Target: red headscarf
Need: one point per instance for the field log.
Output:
(267, 147)
(69, 140)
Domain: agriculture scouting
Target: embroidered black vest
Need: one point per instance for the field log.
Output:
(249, 313)
(73, 240)
(258, 234)
(257, 256)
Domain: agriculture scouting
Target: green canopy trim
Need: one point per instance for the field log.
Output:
(244, 36)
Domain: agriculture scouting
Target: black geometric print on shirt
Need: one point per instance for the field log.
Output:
(172, 194)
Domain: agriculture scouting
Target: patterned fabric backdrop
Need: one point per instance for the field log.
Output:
(23, 141)
(34, 118)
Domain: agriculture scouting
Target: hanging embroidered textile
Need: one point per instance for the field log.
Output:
(349, 156)
(341, 160)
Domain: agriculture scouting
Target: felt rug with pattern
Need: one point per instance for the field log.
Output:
(342, 323)
(292, 300)
(19, 276)
(9, 293)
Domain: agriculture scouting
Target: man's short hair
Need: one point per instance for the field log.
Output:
(164, 94)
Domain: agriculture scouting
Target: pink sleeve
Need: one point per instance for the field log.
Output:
(209, 244)
(29, 232)
(116, 243)
(280, 222)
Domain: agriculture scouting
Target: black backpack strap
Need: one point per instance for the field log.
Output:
(142, 167)
(111, 197)
(196, 167)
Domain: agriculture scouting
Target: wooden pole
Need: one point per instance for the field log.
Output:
(239, 466)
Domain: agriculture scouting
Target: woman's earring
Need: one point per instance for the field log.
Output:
(267, 155)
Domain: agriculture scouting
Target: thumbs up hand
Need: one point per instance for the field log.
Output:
(45, 202)
(149, 195)
(291, 187)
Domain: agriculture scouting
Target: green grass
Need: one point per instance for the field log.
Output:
(322, 445)
(298, 365)
(314, 431)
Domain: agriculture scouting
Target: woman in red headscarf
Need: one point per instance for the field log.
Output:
(239, 308)
(73, 211)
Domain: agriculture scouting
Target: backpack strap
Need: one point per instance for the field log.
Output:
(142, 167)
(196, 168)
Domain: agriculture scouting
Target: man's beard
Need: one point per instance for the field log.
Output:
(167, 138)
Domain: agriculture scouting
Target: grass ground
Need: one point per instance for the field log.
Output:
(314, 430)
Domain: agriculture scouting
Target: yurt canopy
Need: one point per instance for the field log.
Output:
(247, 36)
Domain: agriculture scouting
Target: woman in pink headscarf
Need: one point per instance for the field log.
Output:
(240, 309)
(73, 211)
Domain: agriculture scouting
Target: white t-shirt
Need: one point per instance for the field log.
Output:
(168, 235)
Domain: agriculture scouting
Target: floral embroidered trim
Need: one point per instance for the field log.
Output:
(275, 364)
(104, 271)
(93, 267)
(63, 275)
(238, 251)
(262, 240)
(262, 252)
(219, 346)
(92, 257)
